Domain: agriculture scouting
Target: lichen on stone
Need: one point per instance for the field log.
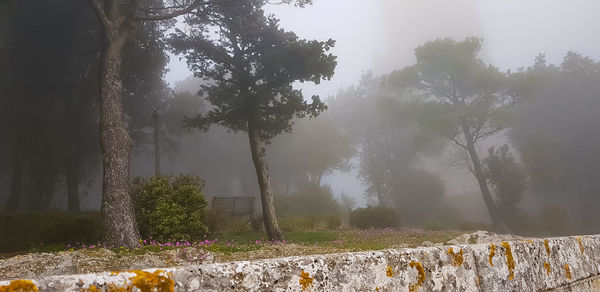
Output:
(568, 271)
(548, 251)
(457, 258)
(420, 280)
(389, 272)
(547, 267)
(305, 280)
(580, 244)
(492, 253)
(19, 286)
(510, 261)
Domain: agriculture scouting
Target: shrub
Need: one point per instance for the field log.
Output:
(170, 207)
(374, 217)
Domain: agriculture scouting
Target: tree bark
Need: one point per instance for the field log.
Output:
(481, 179)
(156, 143)
(257, 148)
(118, 216)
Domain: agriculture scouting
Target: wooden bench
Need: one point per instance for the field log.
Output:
(234, 206)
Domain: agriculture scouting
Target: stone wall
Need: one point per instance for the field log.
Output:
(559, 264)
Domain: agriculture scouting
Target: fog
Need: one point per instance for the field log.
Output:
(376, 144)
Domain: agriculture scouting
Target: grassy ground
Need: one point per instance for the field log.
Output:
(242, 245)
(235, 246)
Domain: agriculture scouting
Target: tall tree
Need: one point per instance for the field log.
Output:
(252, 64)
(119, 22)
(554, 132)
(466, 100)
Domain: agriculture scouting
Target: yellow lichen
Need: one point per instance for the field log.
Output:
(567, 271)
(457, 258)
(492, 253)
(580, 244)
(420, 280)
(548, 251)
(389, 272)
(510, 261)
(547, 267)
(91, 288)
(305, 280)
(377, 288)
(19, 286)
(147, 281)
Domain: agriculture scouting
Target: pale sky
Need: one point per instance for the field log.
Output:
(380, 35)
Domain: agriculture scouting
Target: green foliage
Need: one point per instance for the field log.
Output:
(170, 207)
(374, 217)
(252, 64)
(24, 231)
(507, 178)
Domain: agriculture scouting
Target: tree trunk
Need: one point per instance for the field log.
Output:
(16, 184)
(118, 216)
(72, 181)
(257, 148)
(156, 143)
(481, 179)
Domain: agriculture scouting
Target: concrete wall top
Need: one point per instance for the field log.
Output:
(524, 265)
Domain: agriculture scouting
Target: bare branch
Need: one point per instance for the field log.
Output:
(461, 145)
(98, 6)
(186, 10)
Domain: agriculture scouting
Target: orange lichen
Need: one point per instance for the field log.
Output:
(548, 251)
(389, 272)
(510, 261)
(91, 288)
(19, 286)
(492, 253)
(580, 244)
(147, 281)
(547, 267)
(305, 280)
(567, 271)
(457, 258)
(420, 280)
(376, 288)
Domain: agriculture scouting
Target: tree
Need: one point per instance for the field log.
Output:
(316, 147)
(466, 100)
(554, 133)
(252, 64)
(507, 178)
(119, 21)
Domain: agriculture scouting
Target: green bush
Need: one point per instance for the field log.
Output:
(170, 207)
(374, 217)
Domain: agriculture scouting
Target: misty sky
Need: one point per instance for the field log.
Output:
(380, 35)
